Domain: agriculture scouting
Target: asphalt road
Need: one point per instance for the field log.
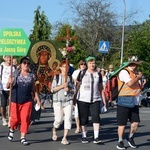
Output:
(40, 134)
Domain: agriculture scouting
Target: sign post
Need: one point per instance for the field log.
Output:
(103, 48)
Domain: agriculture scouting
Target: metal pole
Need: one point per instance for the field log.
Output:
(123, 24)
(103, 60)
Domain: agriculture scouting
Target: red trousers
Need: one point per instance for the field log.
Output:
(20, 115)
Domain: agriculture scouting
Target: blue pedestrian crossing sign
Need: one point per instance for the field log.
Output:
(103, 47)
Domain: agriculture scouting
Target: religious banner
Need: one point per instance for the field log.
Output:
(45, 67)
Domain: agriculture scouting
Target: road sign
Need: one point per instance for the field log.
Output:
(103, 47)
(13, 42)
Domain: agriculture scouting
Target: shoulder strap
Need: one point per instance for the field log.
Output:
(100, 77)
(121, 87)
(1, 71)
(57, 78)
(81, 75)
(126, 70)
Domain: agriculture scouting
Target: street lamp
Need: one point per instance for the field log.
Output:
(123, 24)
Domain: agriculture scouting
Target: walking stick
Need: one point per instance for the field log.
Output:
(66, 73)
(10, 92)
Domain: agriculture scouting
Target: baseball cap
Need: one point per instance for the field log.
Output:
(24, 58)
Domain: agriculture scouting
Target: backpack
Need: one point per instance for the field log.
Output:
(79, 79)
(57, 78)
(111, 89)
(82, 73)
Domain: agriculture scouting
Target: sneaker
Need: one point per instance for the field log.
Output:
(131, 142)
(97, 141)
(24, 142)
(120, 145)
(84, 140)
(4, 122)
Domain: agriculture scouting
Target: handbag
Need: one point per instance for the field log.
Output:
(126, 101)
(103, 108)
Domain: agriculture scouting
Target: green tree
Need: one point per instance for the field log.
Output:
(41, 28)
(138, 43)
(94, 22)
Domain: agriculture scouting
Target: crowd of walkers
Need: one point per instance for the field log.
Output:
(82, 92)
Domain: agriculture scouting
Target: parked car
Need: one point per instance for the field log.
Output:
(146, 100)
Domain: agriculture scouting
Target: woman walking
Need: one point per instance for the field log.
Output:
(23, 91)
(90, 96)
(63, 91)
(81, 66)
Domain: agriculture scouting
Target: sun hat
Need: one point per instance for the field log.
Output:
(134, 60)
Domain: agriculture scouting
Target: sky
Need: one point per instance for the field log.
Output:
(20, 13)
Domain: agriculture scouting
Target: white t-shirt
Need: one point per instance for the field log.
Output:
(124, 76)
(86, 88)
(75, 74)
(5, 75)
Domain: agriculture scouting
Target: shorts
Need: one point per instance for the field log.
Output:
(125, 113)
(4, 98)
(88, 108)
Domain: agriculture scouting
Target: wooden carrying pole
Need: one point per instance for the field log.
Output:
(10, 92)
(67, 66)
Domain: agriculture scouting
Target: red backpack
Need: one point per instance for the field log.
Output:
(111, 89)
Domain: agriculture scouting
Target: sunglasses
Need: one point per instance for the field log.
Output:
(83, 64)
(26, 63)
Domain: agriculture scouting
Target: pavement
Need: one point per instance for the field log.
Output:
(40, 134)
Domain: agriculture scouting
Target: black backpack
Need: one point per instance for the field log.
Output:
(82, 73)
(79, 79)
